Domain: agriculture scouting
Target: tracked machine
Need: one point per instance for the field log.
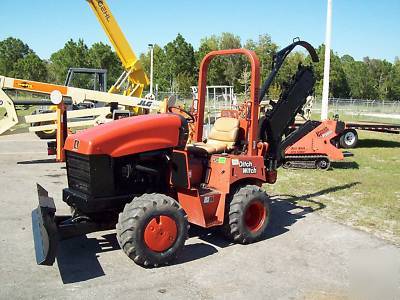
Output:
(313, 145)
(140, 176)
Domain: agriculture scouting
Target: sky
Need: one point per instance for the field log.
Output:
(360, 27)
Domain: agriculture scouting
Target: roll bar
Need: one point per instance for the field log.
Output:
(255, 83)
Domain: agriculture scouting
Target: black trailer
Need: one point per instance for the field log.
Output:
(349, 138)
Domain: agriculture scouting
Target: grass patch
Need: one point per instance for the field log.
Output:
(363, 191)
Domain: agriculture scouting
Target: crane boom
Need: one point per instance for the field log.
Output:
(134, 71)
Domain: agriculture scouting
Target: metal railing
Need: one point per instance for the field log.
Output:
(359, 106)
(341, 106)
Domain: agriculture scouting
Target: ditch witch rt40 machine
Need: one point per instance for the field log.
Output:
(138, 174)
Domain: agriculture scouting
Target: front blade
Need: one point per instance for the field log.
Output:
(44, 229)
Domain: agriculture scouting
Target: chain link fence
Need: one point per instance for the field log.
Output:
(361, 108)
(357, 109)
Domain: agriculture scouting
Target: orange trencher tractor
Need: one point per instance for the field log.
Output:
(138, 174)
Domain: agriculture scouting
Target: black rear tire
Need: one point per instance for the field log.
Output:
(247, 215)
(348, 139)
(136, 219)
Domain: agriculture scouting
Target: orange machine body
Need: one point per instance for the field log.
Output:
(205, 206)
(131, 168)
(320, 141)
(201, 183)
(207, 182)
(128, 136)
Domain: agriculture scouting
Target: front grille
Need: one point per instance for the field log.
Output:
(90, 174)
(78, 170)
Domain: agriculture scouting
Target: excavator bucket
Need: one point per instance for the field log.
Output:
(44, 229)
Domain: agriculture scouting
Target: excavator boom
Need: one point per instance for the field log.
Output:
(134, 71)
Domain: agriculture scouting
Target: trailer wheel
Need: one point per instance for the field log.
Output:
(247, 215)
(348, 139)
(152, 229)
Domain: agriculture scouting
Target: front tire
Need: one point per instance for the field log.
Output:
(152, 229)
(248, 215)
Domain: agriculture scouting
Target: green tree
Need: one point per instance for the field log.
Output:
(11, 50)
(226, 70)
(183, 83)
(265, 50)
(18, 60)
(74, 54)
(379, 72)
(339, 86)
(233, 64)
(30, 67)
(101, 56)
(368, 79)
(215, 74)
(181, 60)
(160, 76)
(394, 81)
(358, 77)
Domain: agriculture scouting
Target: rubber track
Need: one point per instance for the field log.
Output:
(303, 161)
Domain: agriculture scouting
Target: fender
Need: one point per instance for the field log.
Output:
(129, 136)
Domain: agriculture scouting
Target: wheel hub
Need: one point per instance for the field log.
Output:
(160, 233)
(349, 138)
(255, 216)
(322, 164)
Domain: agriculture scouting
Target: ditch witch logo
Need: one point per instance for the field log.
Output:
(324, 132)
(247, 167)
(104, 10)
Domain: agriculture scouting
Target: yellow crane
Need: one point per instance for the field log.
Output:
(134, 72)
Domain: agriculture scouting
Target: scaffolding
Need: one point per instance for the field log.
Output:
(218, 97)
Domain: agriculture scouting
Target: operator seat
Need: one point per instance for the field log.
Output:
(221, 138)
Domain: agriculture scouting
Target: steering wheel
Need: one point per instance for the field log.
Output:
(187, 115)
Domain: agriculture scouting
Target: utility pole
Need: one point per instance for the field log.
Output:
(327, 65)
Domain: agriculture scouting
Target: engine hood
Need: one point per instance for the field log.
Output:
(130, 136)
